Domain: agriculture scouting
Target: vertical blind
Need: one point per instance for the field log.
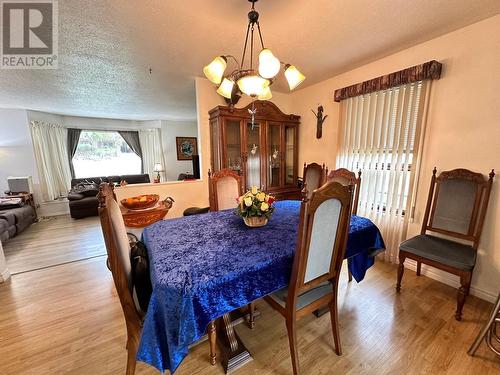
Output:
(380, 136)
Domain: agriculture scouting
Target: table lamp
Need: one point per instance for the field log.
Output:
(158, 168)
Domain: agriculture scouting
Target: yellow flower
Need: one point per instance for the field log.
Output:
(264, 206)
(255, 190)
(261, 196)
(248, 201)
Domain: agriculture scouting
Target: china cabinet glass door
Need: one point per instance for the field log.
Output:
(215, 145)
(233, 145)
(290, 156)
(274, 164)
(253, 155)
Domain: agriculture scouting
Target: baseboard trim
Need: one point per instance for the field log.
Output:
(4, 275)
(449, 279)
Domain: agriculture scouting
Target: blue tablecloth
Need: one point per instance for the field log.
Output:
(204, 266)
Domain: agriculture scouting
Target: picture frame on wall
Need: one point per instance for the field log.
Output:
(186, 147)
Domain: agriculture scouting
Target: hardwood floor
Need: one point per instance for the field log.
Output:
(67, 320)
(55, 241)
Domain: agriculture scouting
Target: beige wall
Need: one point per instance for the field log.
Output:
(463, 126)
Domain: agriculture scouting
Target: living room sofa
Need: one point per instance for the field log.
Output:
(14, 220)
(84, 203)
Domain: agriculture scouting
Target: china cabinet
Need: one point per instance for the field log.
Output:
(263, 150)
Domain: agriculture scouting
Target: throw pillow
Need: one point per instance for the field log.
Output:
(86, 188)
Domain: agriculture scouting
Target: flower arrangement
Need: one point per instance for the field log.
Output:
(255, 207)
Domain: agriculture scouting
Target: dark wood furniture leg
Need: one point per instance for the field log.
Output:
(335, 318)
(419, 268)
(291, 327)
(401, 269)
(132, 345)
(212, 337)
(463, 291)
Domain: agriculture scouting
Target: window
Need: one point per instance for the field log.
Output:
(381, 133)
(104, 153)
(379, 139)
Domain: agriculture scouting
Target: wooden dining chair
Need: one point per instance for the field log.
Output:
(321, 246)
(346, 177)
(224, 187)
(313, 176)
(456, 207)
(118, 249)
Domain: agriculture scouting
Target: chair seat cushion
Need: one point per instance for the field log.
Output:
(305, 298)
(441, 250)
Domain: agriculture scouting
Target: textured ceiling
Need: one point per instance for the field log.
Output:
(106, 47)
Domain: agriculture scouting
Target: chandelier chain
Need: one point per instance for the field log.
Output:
(251, 50)
(260, 35)
(245, 47)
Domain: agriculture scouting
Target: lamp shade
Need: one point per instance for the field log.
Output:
(269, 65)
(158, 167)
(215, 70)
(252, 85)
(293, 76)
(226, 88)
(266, 94)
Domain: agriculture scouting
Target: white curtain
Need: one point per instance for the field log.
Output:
(381, 133)
(50, 144)
(152, 151)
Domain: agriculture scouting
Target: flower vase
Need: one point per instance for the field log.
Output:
(255, 221)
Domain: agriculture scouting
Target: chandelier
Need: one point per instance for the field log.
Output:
(252, 82)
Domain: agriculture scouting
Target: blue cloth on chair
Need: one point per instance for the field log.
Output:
(204, 266)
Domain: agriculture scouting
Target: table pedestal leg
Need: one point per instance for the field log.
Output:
(234, 354)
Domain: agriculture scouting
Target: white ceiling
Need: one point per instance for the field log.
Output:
(106, 47)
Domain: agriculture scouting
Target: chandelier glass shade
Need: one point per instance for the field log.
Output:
(247, 80)
(226, 88)
(266, 94)
(269, 65)
(293, 76)
(215, 70)
(252, 85)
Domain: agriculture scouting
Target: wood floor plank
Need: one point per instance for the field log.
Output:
(52, 241)
(67, 320)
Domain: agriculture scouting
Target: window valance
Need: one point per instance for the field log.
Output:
(428, 70)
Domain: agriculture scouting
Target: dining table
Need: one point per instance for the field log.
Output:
(203, 267)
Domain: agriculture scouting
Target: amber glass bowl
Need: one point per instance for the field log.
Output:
(140, 202)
